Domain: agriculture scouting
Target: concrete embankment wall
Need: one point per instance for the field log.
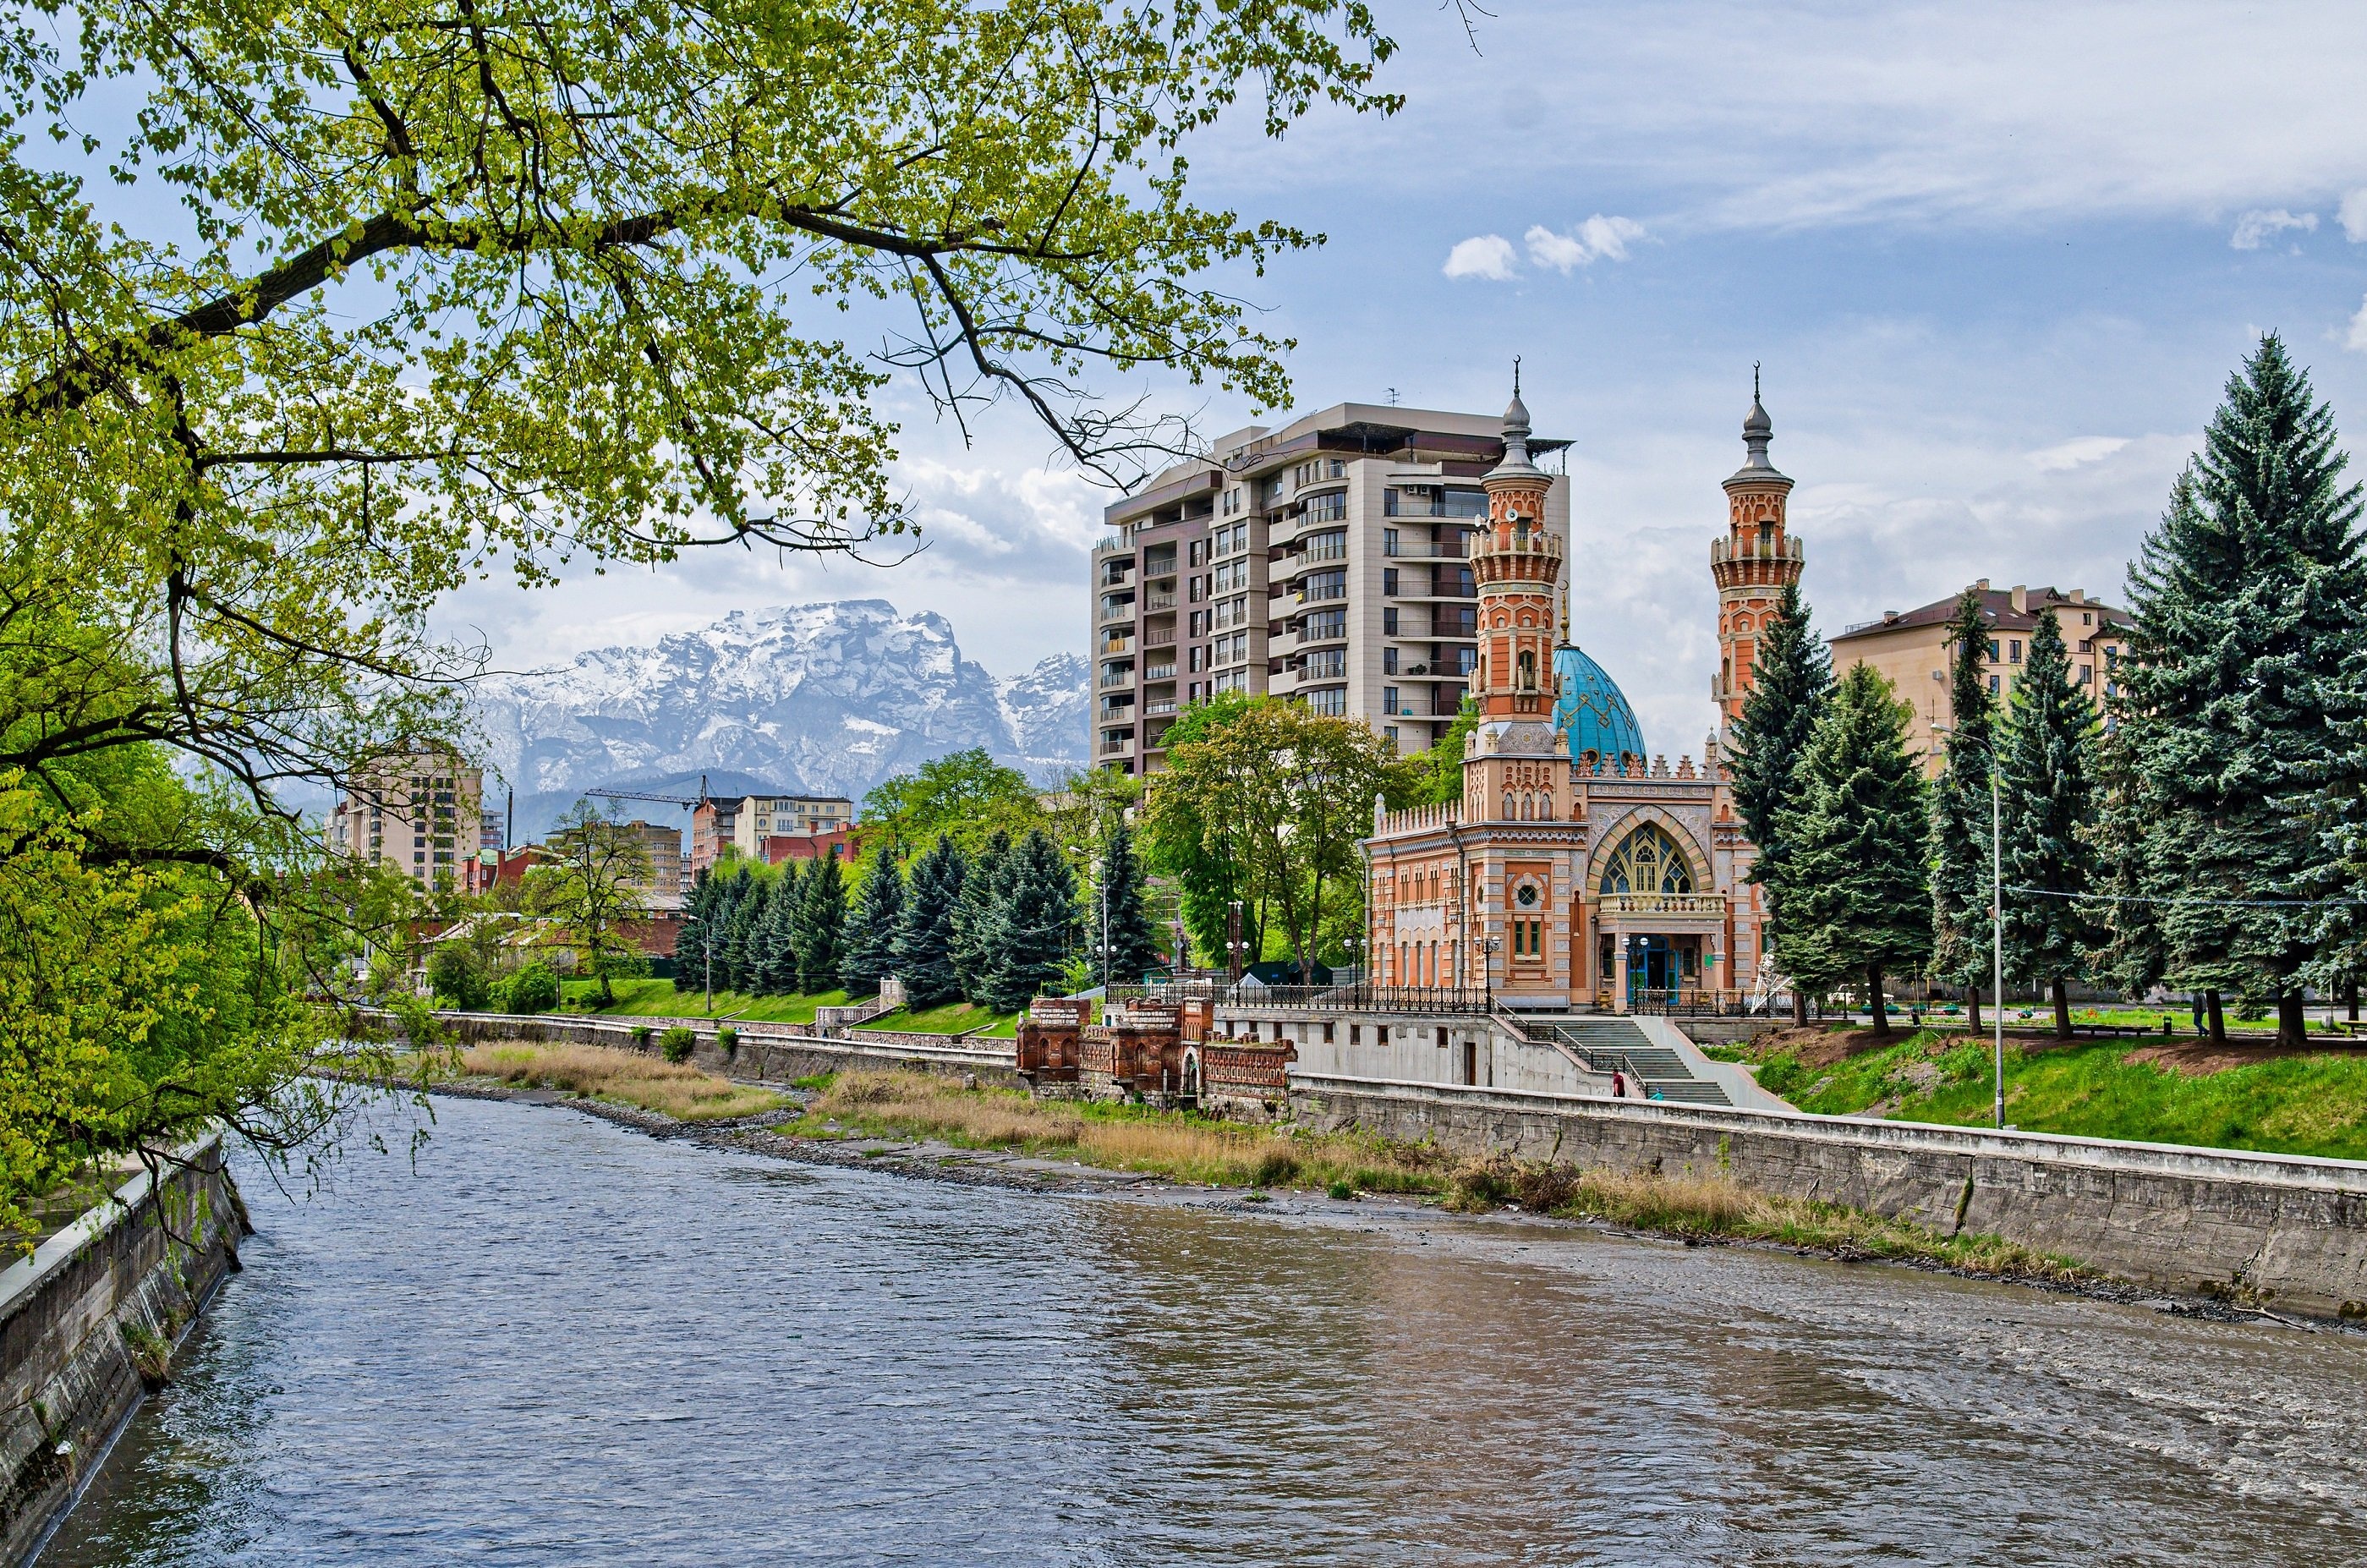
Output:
(68, 1378)
(2277, 1230)
(765, 1053)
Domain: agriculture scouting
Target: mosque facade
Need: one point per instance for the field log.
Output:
(1580, 870)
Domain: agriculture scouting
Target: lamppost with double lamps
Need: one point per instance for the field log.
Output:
(1996, 916)
(1487, 947)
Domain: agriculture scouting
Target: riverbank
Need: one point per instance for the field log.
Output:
(2243, 1094)
(930, 1126)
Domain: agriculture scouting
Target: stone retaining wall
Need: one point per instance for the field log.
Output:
(68, 1380)
(765, 1053)
(2264, 1227)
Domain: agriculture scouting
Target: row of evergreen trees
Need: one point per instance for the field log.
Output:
(996, 929)
(2207, 829)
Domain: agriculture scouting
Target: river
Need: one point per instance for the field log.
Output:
(557, 1341)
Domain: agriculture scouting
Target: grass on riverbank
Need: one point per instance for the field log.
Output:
(2245, 1096)
(1189, 1148)
(670, 1088)
(664, 999)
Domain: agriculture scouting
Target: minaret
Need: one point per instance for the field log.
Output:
(1515, 565)
(1752, 565)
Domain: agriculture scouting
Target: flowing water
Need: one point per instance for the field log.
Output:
(558, 1342)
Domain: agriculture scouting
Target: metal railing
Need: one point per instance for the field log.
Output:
(1153, 603)
(1361, 997)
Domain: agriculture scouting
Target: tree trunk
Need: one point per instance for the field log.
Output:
(1973, 1007)
(2213, 1019)
(1873, 999)
(2350, 999)
(1799, 1007)
(2293, 1023)
(2062, 1009)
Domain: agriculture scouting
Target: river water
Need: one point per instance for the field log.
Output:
(559, 1342)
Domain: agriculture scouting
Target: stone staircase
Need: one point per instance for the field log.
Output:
(1610, 1044)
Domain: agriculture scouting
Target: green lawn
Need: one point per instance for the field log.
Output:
(2290, 1105)
(658, 998)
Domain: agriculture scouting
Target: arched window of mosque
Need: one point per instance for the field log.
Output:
(1528, 669)
(1507, 805)
(1647, 860)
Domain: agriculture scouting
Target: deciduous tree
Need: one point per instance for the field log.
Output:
(595, 882)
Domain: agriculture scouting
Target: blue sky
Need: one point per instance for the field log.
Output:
(1998, 262)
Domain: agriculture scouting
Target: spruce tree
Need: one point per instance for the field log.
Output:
(1036, 924)
(1857, 895)
(976, 914)
(872, 930)
(2244, 693)
(819, 925)
(1791, 684)
(743, 931)
(694, 944)
(1963, 844)
(1131, 946)
(776, 968)
(2048, 782)
(924, 940)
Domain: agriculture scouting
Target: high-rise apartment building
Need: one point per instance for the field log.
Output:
(1325, 562)
(418, 813)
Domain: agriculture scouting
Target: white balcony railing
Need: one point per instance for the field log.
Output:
(1694, 904)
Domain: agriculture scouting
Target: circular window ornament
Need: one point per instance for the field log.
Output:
(1527, 895)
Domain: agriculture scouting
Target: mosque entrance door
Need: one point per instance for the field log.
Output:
(1654, 972)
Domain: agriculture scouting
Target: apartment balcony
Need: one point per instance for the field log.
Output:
(1118, 609)
(1153, 604)
(1164, 638)
(1159, 672)
(1159, 709)
(1115, 543)
(1419, 549)
(1114, 748)
(1117, 644)
(1116, 677)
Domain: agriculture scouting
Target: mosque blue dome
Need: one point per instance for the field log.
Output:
(1594, 711)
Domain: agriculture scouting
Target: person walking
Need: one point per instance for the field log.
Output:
(2196, 997)
(1619, 1086)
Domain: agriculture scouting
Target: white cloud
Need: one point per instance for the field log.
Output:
(2267, 224)
(2358, 338)
(1597, 239)
(2076, 453)
(2353, 214)
(1481, 255)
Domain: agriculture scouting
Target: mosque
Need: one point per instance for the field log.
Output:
(1579, 872)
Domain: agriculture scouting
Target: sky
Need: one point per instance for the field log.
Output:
(1997, 263)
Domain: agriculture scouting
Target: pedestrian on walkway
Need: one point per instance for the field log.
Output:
(1619, 1086)
(2196, 997)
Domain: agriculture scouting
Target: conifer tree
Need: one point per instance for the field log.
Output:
(1963, 844)
(694, 945)
(1857, 898)
(778, 944)
(744, 930)
(2243, 689)
(976, 914)
(1791, 685)
(1132, 949)
(873, 928)
(819, 925)
(924, 940)
(2048, 783)
(1035, 924)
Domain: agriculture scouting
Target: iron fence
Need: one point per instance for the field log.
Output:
(1359, 997)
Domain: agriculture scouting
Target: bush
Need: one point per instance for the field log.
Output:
(727, 1042)
(533, 989)
(1274, 1168)
(641, 1033)
(458, 978)
(677, 1044)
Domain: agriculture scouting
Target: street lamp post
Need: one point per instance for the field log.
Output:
(1487, 947)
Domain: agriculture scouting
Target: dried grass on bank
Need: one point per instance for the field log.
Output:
(1118, 1138)
(672, 1089)
(1714, 1208)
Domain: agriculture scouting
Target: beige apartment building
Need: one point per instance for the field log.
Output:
(744, 822)
(420, 813)
(1911, 650)
(1325, 562)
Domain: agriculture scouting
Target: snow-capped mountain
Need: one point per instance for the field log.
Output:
(820, 699)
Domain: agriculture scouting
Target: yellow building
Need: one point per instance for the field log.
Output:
(416, 813)
(1911, 648)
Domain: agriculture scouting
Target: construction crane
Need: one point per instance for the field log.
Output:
(686, 802)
